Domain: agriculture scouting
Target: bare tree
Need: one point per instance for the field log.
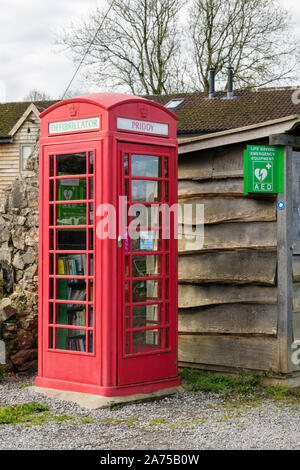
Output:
(37, 95)
(253, 36)
(135, 47)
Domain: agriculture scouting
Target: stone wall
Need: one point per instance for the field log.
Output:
(18, 269)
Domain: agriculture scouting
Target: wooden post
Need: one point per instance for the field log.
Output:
(284, 253)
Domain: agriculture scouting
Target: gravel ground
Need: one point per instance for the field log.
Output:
(186, 421)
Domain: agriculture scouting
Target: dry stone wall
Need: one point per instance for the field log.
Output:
(19, 269)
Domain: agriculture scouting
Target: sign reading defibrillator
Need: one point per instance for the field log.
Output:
(263, 169)
(76, 125)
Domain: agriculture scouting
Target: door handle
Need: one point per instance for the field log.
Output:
(120, 241)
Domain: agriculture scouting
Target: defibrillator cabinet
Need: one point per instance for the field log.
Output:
(107, 246)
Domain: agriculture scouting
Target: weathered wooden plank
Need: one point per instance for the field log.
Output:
(296, 297)
(237, 209)
(232, 318)
(259, 353)
(237, 267)
(296, 268)
(195, 167)
(228, 162)
(259, 235)
(190, 295)
(285, 139)
(226, 187)
(296, 325)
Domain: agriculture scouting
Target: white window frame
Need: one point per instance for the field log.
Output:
(22, 146)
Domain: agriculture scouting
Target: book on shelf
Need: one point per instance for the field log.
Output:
(77, 317)
(72, 265)
(76, 344)
(77, 294)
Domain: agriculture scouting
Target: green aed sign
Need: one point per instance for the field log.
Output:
(263, 169)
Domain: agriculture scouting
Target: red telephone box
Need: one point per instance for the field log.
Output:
(107, 284)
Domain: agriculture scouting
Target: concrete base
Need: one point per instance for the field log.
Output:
(94, 402)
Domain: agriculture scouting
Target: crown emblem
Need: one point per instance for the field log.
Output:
(144, 112)
(73, 109)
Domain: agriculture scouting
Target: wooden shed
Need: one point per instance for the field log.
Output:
(239, 293)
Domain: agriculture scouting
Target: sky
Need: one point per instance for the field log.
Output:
(29, 57)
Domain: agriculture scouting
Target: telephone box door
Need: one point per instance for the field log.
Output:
(147, 317)
(67, 262)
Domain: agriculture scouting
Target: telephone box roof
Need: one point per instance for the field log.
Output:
(108, 101)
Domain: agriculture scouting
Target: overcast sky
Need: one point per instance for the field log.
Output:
(28, 57)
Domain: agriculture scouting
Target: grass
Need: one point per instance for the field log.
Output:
(242, 386)
(27, 412)
(157, 421)
(30, 413)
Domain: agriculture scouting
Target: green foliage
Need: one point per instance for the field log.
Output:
(243, 386)
(157, 421)
(26, 412)
(224, 384)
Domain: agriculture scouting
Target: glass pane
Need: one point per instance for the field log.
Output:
(146, 265)
(144, 341)
(126, 164)
(90, 347)
(51, 264)
(91, 291)
(71, 264)
(91, 271)
(71, 289)
(127, 317)
(145, 190)
(71, 239)
(91, 316)
(51, 190)
(127, 296)
(91, 162)
(127, 266)
(51, 214)
(51, 338)
(144, 216)
(145, 165)
(145, 241)
(126, 188)
(71, 164)
(91, 188)
(71, 214)
(51, 289)
(91, 239)
(143, 291)
(51, 165)
(51, 239)
(71, 189)
(91, 214)
(70, 340)
(51, 317)
(71, 314)
(145, 315)
(166, 169)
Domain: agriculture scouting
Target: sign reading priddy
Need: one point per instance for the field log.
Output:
(263, 169)
(76, 125)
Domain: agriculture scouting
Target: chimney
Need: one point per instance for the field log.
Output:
(230, 94)
(212, 93)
